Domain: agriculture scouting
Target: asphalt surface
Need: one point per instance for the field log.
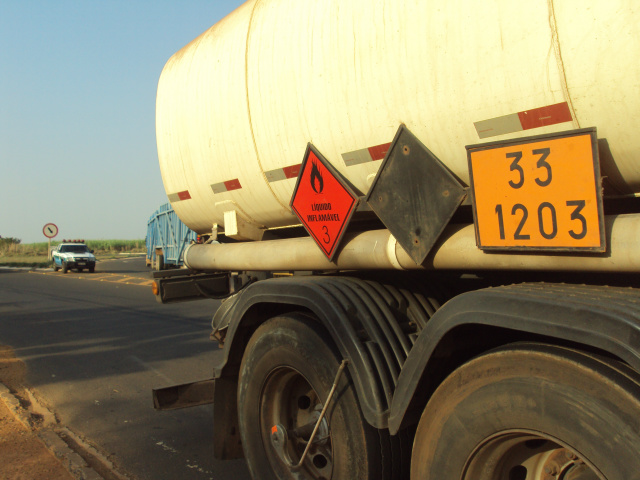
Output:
(96, 344)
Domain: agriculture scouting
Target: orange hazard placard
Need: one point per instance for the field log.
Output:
(538, 193)
(322, 201)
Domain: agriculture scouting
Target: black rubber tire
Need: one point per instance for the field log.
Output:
(297, 343)
(55, 267)
(584, 404)
(92, 269)
(65, 269)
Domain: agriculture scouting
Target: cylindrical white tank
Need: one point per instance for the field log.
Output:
(238, 105)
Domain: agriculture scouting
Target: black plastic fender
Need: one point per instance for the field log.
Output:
(602, 318)
(396, 339)
(373, 326)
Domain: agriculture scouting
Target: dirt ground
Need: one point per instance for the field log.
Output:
(23, 456)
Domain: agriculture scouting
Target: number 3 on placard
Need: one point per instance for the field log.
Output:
(326, 238)
(542, 163)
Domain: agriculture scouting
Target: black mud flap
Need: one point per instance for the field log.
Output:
(184, 396)
(185, 285)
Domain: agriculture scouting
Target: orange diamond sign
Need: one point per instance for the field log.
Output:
(322, 201)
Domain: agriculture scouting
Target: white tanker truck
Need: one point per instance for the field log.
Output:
(423, 218)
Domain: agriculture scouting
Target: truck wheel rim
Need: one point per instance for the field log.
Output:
(526, 455)
(290, 409)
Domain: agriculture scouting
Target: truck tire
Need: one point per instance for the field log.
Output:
(532, 412)
(55, 267)
(65, 269)
(287, 371)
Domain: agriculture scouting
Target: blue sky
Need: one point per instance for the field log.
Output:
(78, 82)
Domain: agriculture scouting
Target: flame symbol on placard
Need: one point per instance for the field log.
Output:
(316, 179)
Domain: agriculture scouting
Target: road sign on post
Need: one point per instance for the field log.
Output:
(50, 230)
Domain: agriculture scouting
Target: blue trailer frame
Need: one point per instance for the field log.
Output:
(167, 237)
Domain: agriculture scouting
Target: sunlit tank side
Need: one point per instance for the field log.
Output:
(203, 128)
(245, 98)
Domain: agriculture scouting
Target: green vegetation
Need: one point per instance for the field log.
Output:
(9, 244)
(104, 247)
(14, 253)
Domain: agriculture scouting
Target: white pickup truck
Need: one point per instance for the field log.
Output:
(73, 255)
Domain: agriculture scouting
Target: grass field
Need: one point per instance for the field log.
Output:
(35, 254)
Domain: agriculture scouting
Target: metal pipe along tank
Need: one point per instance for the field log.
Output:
(377, 249)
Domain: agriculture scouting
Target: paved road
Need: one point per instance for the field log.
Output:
(96, 344)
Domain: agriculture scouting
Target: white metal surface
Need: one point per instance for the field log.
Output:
(246, 97)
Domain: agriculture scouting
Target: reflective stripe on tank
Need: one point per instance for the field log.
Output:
(526, 120)
(350, 158)
(278, 174)
(178, 196)
(227, 186)
(365, 155)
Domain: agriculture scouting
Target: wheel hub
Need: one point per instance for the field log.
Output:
(527, 456)
(290, 411)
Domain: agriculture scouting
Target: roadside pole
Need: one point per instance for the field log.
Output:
(50, 230)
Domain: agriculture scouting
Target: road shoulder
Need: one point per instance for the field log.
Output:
(33, 444)
(23, 453)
